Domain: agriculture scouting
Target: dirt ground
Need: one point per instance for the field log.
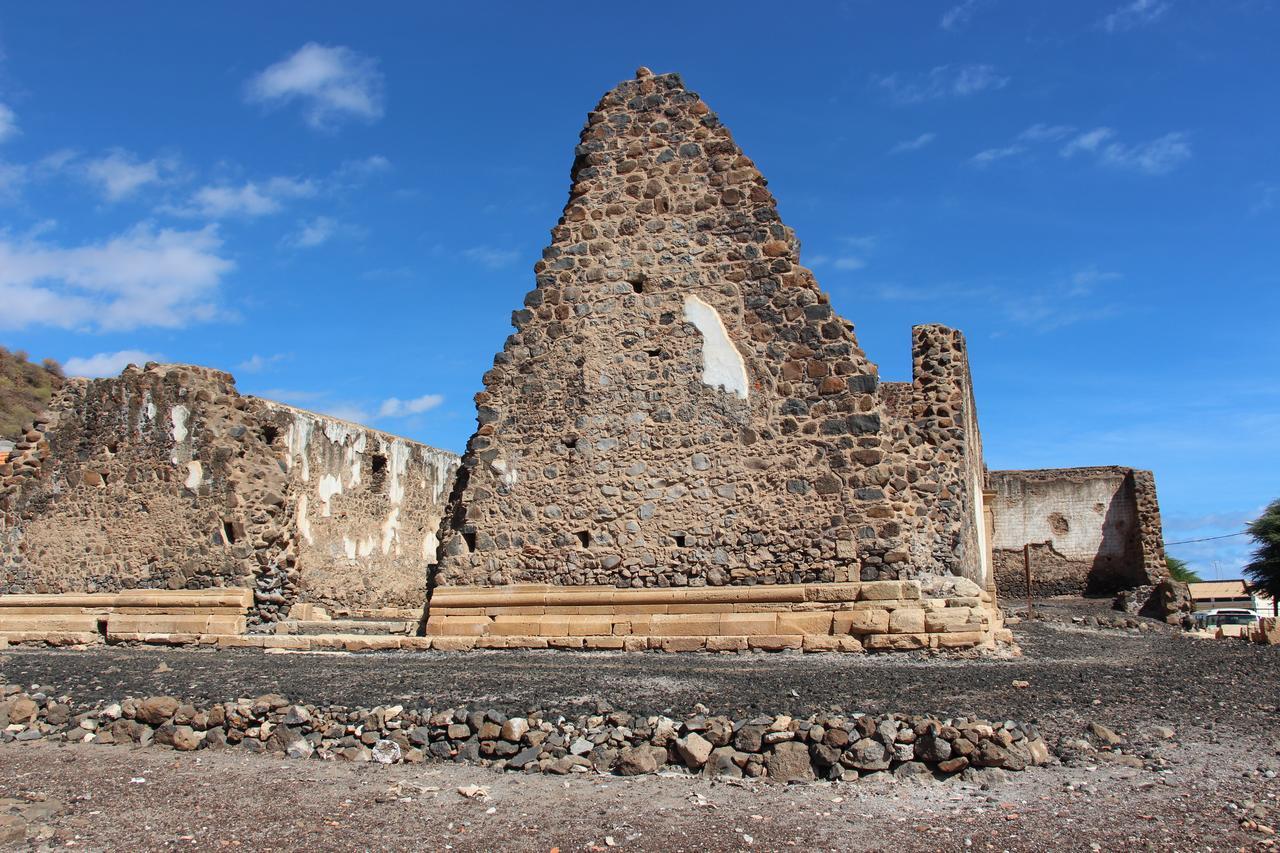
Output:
(1212, 785)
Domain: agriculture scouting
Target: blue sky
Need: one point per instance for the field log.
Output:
(342, 207)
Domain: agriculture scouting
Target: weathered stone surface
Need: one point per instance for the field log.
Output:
(672, 326)
(789, 762)
(694, 750)
(1094, 530)
(157, 710)
(635, 761)
(165, 477)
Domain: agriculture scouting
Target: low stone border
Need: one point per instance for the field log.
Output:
(834, 747)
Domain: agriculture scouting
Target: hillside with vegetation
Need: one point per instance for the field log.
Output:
(25, 389)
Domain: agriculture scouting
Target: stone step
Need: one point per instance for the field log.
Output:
(364, 627)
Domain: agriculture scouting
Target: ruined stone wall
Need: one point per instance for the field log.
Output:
(1091, 530)
(945, 446)
(167, 478)
(366, 508)
(679, 404)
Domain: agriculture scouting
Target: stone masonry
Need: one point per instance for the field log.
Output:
(1090, 530)
(680, 406)
(167, 478)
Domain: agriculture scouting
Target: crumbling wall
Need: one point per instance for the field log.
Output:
(943, 437)
(679, 404)
(166, 477)
(1090, 530)
(366, 507)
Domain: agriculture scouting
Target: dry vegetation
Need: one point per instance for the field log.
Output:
(25, 389)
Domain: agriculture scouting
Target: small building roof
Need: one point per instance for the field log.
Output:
(1218, 589)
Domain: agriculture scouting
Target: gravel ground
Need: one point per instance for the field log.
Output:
(1111, 676)
(117, 798)
(1221, 698)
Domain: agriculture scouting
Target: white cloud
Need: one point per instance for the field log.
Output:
(1085, 281)
(221, 201)
(943, 81)
(108, 363)
(345, 411)
(1268, 196)
(1158, 157)
(990, 155)
(257, 363)
(1088, 142)
(317, 232)
(331, 83)
(487, 256)
(12, 178)
(394, 407)
(958, 16)
(1139, 13)
(863, 244)
(142, 277)
(913, 144)
(120, 174)
(8, 123)
(1040, 132)
(374, 164)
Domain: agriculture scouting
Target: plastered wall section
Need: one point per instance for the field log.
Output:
(366, 510)
(1090, 530)
(167, 478)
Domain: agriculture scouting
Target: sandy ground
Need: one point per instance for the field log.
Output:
(1211, 786)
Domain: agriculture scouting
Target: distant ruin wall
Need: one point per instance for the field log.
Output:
(167, 478)
(1090, 530)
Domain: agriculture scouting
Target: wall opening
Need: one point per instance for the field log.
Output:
(584, 538)
(680, 539)
(378, 463)
(270, 434)
(470, 539)
(229, 532)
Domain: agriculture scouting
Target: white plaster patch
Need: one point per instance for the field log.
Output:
(178, 419)
(506, 472)
(195, 475)
(397, 454)
(304, 523)
(391, 531)
(298, 439)
(329, 486)
(146, 413)
(355, 455)
(430, 547)
(722, 364)
(337, 432)
(348, 547)
(436, 471)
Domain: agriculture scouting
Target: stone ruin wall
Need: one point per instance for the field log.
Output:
(1091, 530)
(934, 421)
(367, 510)
(679, 404)
(167, 478)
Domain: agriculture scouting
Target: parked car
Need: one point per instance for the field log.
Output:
(1232, 620)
